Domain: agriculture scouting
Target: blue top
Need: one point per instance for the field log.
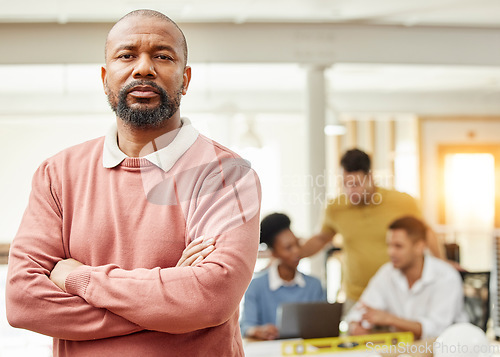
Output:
(261, 303)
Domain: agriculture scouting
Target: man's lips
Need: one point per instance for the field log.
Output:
(143, 92)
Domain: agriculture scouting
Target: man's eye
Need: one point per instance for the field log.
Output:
(126, 56)
(165, 57)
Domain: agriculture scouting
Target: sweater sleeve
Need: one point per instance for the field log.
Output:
(185, 299)
(250, 315)
(33, 301)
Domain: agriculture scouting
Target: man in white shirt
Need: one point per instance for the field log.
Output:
(413, 292)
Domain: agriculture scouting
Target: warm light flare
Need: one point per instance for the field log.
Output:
(470, 191)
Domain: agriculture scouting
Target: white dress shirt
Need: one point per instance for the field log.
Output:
(165, 158)
(436, 300)
(275, 281)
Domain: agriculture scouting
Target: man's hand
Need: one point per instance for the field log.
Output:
(264, 332)
(377, 317)
(383, 318)
(356, 329)
(196, 251)
(61, 271)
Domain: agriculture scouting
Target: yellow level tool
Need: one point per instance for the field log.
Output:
(345, 343)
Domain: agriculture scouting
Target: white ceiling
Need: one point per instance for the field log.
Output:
(476, 13)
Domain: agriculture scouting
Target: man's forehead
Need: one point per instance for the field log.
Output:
(133, 28)
(397, 234)
(353, 176)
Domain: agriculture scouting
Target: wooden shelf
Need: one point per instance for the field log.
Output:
(4, 253)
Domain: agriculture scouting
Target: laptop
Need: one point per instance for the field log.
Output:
(309, 320)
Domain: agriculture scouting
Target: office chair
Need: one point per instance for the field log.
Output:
(477, 297)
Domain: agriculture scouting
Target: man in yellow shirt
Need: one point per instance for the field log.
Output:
(362, 215)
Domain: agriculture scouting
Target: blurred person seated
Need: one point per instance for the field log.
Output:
(413, 292)
(280, 283)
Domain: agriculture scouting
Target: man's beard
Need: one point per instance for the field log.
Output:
(148, 118)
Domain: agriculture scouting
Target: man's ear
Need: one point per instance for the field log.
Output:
(421, 245)
(103, 77)
(186, 79)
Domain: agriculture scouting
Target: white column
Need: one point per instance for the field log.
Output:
(316, 119)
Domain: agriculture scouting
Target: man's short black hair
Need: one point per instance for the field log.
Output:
(414, 228)
(271, 226)
(356, 160)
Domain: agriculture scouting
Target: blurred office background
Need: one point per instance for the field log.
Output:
(290, 85)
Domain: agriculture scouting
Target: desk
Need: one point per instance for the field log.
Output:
(273, 349)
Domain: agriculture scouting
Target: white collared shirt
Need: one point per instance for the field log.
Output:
(275, 281)
(436, 300)
(164, 158)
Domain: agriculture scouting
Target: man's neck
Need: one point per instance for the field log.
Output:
(286, 273)
(366, 200)
(414, 271)
(370, 192)
(132, 140)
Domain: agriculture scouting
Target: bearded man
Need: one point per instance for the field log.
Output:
(143, 242)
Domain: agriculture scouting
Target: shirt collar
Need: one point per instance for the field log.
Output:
(275, 281)
(428, 275)
(164, 158)
(429, 270)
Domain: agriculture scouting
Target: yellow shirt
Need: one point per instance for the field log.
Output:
(364, 228)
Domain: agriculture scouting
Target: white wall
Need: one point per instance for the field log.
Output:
(25, 143)
(280, 162)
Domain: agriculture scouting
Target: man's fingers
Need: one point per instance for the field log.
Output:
(367, 316)
(194, 247)
(197, 245)
(195, 254)
(189, 254)
(186, 261)
(207, 251)
(191, 260)
(197, 258)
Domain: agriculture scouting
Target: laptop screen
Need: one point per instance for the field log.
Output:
(309, 320)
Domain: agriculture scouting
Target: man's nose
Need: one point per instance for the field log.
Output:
(144, 68)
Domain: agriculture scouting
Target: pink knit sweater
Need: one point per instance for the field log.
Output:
(129, 225)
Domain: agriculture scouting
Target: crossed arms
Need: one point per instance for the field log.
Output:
(96, 302)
